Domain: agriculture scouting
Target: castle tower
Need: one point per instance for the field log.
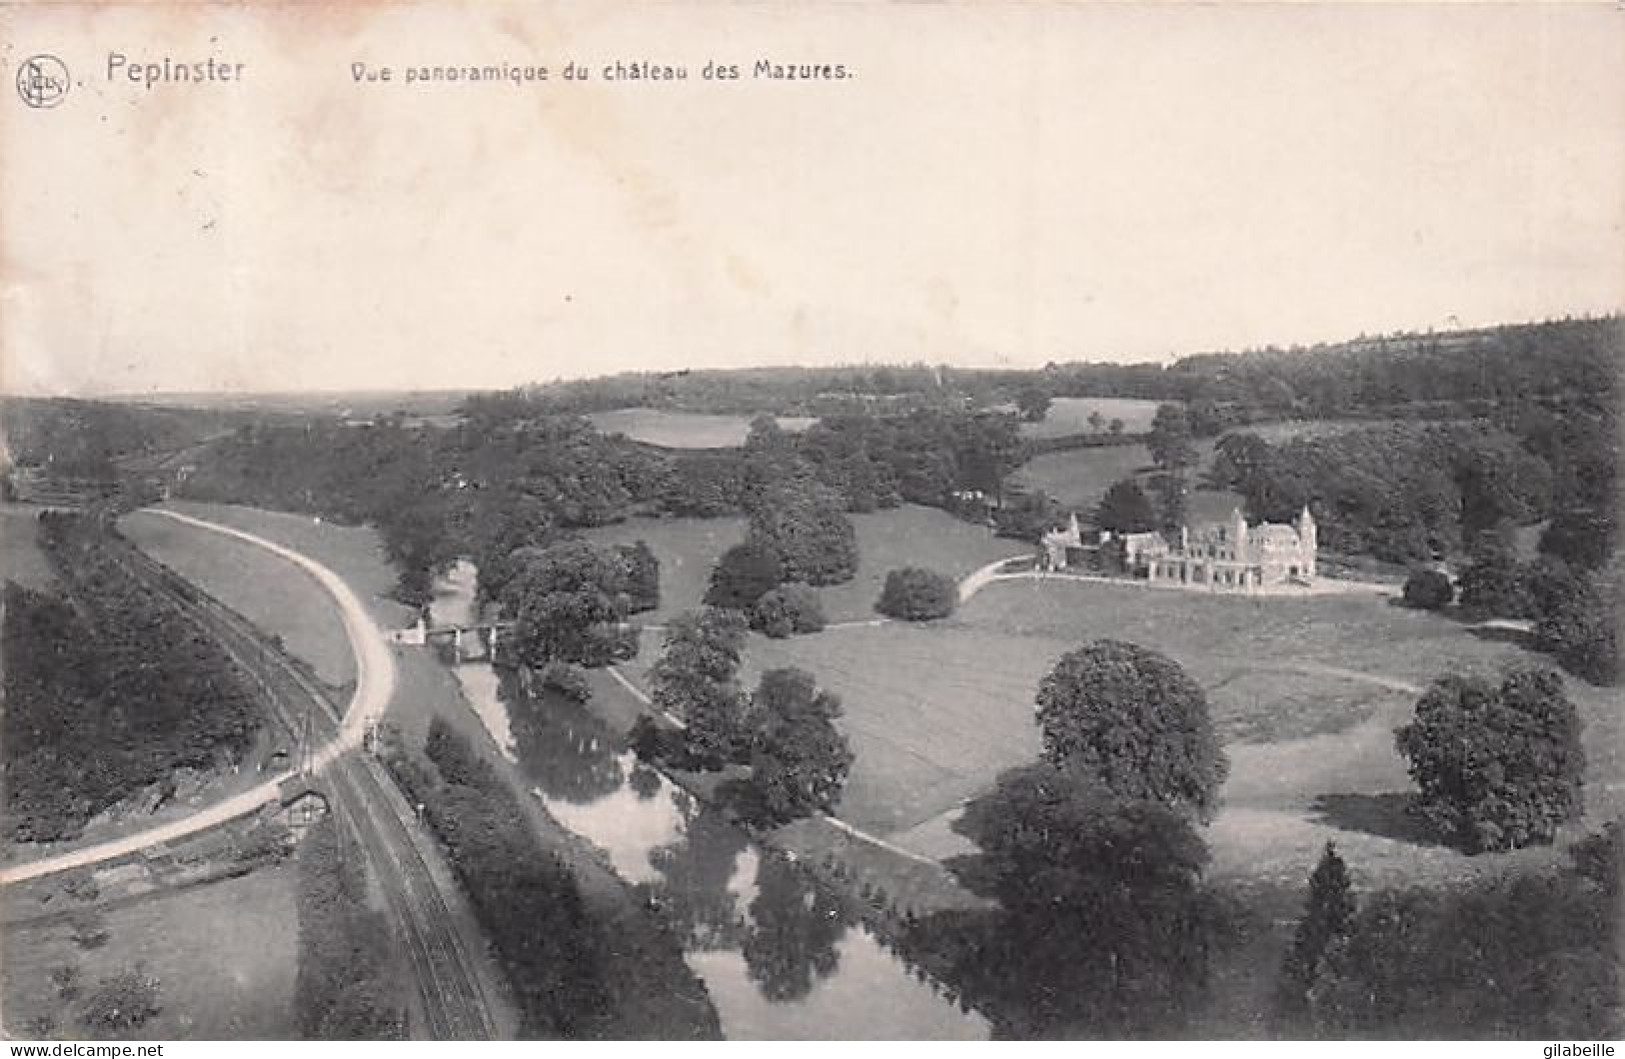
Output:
(1308, 538)
(1238, 530)
(1074, 532)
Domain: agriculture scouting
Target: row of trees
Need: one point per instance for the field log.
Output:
(109, 691)
(527, 901)
(342, 989)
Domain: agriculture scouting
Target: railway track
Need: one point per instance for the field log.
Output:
(372, 810)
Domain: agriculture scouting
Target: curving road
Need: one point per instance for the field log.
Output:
(375, 683)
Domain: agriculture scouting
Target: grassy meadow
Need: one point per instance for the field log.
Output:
(909, 535)
(684, 430)
(1070, 415)
(225, 955)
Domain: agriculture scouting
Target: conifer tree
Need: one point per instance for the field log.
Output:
(1327, 921)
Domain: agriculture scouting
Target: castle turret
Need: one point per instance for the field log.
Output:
(1238, 532)
(1308, 538)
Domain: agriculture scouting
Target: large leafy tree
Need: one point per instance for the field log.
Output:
(1582, 537)
(1135, 719)
(1493, 583)
(743, 574)
(508, 522)
(570, 604)
(804, 523)
(1124, 508)
(1577, 619)
(1104, 920)
(1498, 767)
(1028, 516)
(914, 593)
(1170, 439)
(799, 760)
(1033, 402)
(641, 570)
(1428, 589)
(695, 681)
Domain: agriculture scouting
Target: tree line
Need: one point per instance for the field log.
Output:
(527, 901)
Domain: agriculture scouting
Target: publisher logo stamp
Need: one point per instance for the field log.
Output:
(42, 81)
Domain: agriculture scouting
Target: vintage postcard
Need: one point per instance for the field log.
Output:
(810, 521)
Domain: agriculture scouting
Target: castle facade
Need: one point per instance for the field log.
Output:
(1229, 555)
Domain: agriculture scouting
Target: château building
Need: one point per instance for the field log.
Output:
(1223, 556)
(1231, 555)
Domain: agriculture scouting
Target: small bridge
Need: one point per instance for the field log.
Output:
(473, 641)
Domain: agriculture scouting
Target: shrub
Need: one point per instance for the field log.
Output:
(566, 680)
(917, 594)
(123, 1002)
(1497, 767)
(1429, 589)
(788, 610)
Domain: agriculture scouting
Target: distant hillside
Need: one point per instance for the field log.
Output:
(1365, 375)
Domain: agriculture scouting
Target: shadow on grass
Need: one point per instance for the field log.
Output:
(1383, 815)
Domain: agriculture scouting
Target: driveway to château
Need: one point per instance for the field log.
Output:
(374, 684)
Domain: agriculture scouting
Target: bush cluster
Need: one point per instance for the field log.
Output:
(914, 593)
(789, 610)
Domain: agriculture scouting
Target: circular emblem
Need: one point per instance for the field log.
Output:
(42, 81)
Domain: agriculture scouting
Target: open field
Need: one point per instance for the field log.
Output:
(1070, 415)
(684, 430)
(225, 954)
(1292, 429)
(687, 549)
(20, 557)
(1079, 477)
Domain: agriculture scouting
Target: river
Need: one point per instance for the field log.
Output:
(776, 951)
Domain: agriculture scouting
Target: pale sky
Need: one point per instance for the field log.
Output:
(999, 184)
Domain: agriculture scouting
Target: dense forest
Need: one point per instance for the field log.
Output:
(107, 691)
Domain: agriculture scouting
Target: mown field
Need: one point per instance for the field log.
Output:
(1070, 415)
(225, 955)
(683, 430)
